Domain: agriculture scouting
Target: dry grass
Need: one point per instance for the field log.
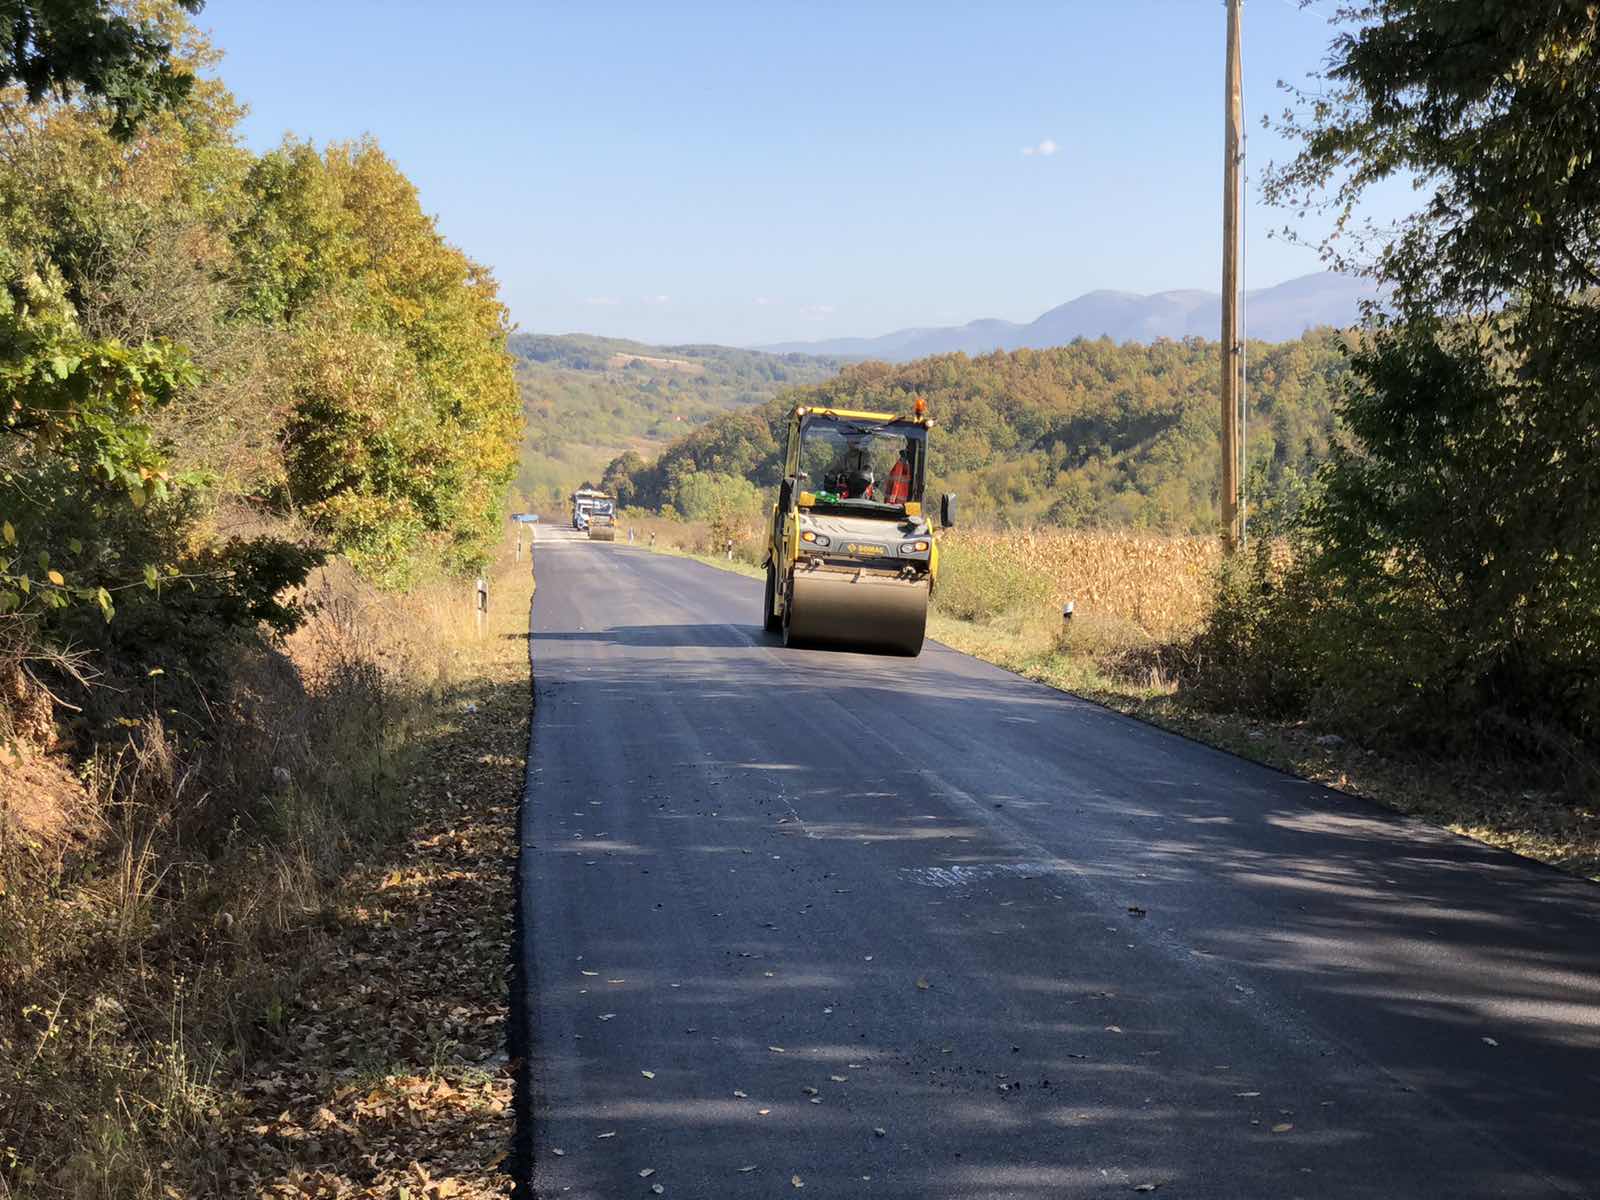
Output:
(1135, 599)
(693, 538)
(154, 951)
(390, 1075)
(1161, 586)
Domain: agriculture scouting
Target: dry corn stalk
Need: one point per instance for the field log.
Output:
(1163, 584)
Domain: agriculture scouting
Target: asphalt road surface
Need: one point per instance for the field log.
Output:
(870, 926)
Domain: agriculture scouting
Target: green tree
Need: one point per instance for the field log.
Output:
(76, 425)
(187, 332)
(619, 476)
(727, 503)
(1456, 539)
(113, 261)
(403, 418)
(111, 51)
(1087, 434)
(1490, 108)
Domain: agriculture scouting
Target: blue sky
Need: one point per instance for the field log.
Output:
(767, 171)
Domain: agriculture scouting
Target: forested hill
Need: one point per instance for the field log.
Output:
(587, 399)
(1090, 433)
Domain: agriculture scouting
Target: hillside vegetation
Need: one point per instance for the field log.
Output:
(1090, 434)
(587, 399)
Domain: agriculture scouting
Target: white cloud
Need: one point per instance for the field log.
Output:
(764, 301)
(658, 300)
(605, 300)
(816, 312)
(1046, 148)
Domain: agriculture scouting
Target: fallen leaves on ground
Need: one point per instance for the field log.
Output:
(390, 1076)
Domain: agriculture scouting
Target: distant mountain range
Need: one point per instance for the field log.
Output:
(1275, 314)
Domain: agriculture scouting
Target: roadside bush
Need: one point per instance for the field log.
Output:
(1443, 588)
(402, 416)
(1454, 545)
(217, 369)
(1258, 650)
(159, 942)
(1465, 530)
(726, 503)
(980, 583)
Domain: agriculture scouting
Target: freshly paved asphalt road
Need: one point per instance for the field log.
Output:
(776, 902)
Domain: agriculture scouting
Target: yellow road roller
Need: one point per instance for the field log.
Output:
(851, 556)
(595, 513)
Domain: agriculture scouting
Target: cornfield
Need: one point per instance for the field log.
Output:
(1164, 585)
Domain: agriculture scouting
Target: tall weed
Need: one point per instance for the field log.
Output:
(1260, 648)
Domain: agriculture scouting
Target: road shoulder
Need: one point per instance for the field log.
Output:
(391, 1075)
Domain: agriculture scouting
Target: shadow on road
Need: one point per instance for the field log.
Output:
(1043, 949)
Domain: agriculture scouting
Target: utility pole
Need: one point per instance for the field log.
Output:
(1232, 347)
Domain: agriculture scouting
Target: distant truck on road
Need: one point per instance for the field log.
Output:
(594, 512)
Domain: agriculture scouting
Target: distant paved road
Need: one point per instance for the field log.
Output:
(779, 901)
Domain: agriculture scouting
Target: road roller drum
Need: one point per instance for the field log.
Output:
(857, 609)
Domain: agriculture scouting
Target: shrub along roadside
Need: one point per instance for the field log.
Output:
(171, 952)
(976, 584)
(208, 331)
(218, 370)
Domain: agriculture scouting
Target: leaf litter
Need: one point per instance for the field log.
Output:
(392, 1052)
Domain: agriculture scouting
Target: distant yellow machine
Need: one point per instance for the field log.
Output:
(595, 513)
(851, 559)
